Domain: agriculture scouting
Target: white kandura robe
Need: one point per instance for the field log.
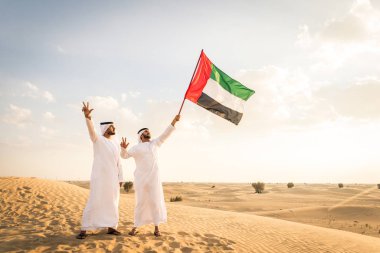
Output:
(102, 208)
(150, 203)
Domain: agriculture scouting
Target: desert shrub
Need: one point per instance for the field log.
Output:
(340, 185)
(213, 186)
(378, 186)
(175, 199)
(259, 187)
(290, 185)
(128, 186)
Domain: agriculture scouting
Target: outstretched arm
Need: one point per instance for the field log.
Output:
(162, 138)
(90, 126)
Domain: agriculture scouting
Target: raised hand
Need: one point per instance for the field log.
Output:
(86, 110)
(176, 118)
(124, 143)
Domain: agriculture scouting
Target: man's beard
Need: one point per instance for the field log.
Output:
(146, 136)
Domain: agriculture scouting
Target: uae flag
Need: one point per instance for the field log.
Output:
(218, 93)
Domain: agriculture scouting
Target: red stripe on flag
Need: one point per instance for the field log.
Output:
(200, 79)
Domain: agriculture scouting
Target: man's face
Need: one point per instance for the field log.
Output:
(111, 130)
(146, 134)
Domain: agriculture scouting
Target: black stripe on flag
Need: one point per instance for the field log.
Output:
(214, 106)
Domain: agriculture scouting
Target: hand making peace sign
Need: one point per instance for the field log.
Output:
(86, 110)
(124, 143)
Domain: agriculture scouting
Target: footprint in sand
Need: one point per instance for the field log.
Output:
(158, 244)
(174, 245)
(186, 250)
(171, 238)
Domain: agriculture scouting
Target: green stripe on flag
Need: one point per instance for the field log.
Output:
(230, 85)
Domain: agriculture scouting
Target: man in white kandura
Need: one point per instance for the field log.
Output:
(102, 208)
(150, 203)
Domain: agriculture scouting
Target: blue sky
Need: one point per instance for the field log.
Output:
(313, 64)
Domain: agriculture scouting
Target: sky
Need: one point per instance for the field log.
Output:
(314, 65)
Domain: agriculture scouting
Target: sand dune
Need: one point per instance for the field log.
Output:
(354, 208)
(43, 216)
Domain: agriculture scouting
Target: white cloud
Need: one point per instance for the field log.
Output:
(123, 97)
(49, 116)
(191, 128)
(60, 49)
(128, 114)
(360, 24)
(303, 37)
(342, 39)
(18, 116)
(284, 97)
(109, 108)
(75, 107)
(34, 92)
(130, 94)
(134, 94)
(349, 29)
(289, 98)
(19, 141)
(47, 132)
(48, 96)
(358, 100)
(106, 103)
(23, 141)
(32, 87)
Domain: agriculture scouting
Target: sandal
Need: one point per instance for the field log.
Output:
(133, 232)
(82, 235)
(157, 233)
(112, 231)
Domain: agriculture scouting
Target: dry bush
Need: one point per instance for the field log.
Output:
(176, 198)
(378, 187)
(259, 187)
(290, 185)
(340, 185)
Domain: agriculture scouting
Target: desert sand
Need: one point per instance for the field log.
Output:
(355, 207)
(44, 216)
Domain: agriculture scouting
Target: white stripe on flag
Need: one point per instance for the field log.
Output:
(215, 91)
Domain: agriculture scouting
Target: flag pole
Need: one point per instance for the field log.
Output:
(183, 101)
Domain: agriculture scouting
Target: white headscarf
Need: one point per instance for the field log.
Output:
(139, 133)
(104, 126)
